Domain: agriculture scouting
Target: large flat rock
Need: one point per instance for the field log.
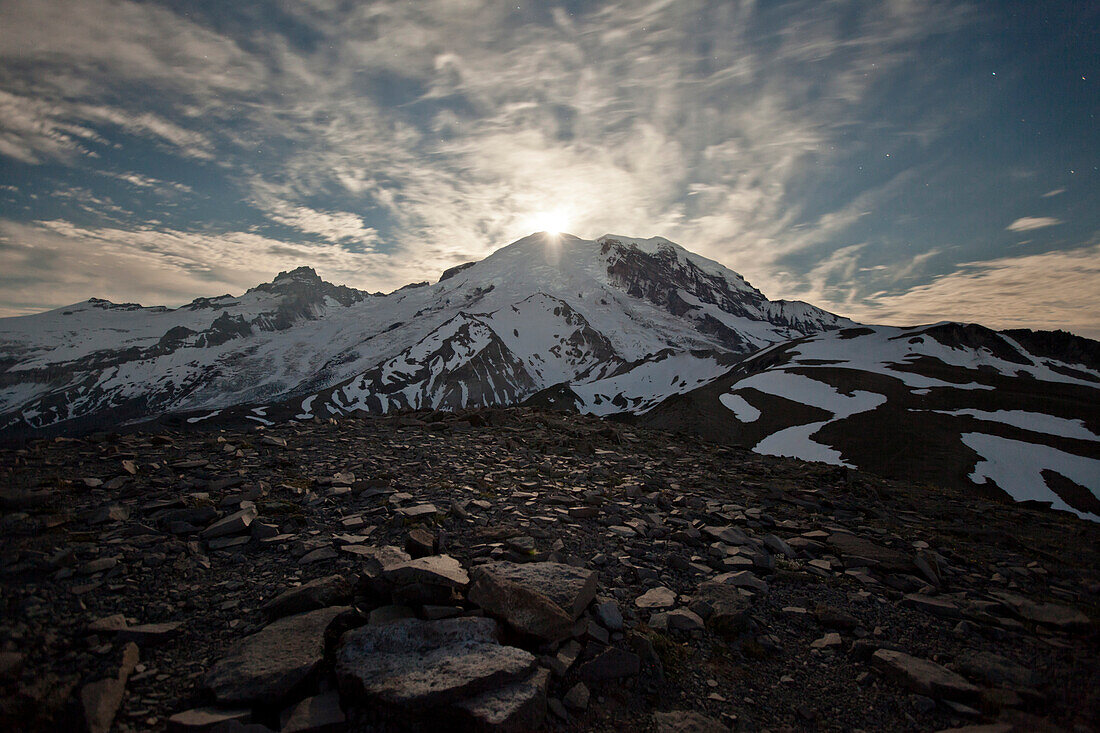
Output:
(526, 607)
(514, 708)
(890, 560)
(440, 570)
(572, 589)
(265, 667)
(923, 676)
(416, 665)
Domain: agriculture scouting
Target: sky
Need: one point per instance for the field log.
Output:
(894, 161)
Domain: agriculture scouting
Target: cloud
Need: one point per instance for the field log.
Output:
(1053, 290)
(1028, 223)
(1055, 192)
(54, 263)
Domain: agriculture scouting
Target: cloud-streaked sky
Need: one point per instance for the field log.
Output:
(896, 161)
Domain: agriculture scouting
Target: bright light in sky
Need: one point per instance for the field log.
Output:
(551, 222)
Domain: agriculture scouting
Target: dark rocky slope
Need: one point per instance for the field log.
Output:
(630, 579)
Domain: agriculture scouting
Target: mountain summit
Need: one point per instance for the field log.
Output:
(543, 311)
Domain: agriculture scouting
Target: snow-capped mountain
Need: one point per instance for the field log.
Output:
(620, 323)
(1014, 413)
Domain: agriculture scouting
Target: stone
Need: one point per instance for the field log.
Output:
(200, 720)
(686, 721)
(318, 555)
(576, 698)
(331, 590)
(656, 598)
(523, 608)
(724, 608)
(611, 664)
(265, 667)
(561, 662)
(224, 543)
(235, 523)
(519, 706)
(729, 535)
(413, 664)
(108, 624)
(100, 565)
(934, 606)
(318, 714)
(608, 615)
(439, 570)
(922, 676)
(101, 699)
(850, 545)
(1060, 617)
(377, 560)
(777, 546)
(420, 511)
(420, 543)
(993, 669)
(829, 641)
(680, 619)
(150, 634)
(571, 588)
(742, 579)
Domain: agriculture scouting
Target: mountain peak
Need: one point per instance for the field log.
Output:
(299, 273)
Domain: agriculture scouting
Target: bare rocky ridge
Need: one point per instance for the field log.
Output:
(515, 569)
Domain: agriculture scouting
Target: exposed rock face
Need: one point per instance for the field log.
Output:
(265, 667)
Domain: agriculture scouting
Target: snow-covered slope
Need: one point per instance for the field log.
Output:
(950, 403)
(622, 321)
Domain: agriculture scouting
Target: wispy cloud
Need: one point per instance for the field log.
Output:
(1054, 192)
(388, 140)
(1053, 290)
(1028, 223)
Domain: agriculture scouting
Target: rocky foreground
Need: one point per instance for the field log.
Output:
(513, 569)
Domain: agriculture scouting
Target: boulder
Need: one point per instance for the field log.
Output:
(265, 667)
(571, 588)
(516, 707)
(854, 546)
(415, 665)
(524, 609)
(923, 676)
(723, 607)
(656, 598)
